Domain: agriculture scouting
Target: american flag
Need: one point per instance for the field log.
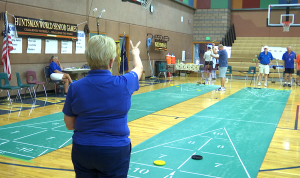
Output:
(6, 48)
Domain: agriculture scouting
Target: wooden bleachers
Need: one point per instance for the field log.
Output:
(245, 49)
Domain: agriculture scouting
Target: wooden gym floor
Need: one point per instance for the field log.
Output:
(282, 158)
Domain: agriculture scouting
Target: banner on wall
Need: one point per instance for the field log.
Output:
(80, 43)
(38, 28)
(34, 45)
(16, 42)
(66, 47)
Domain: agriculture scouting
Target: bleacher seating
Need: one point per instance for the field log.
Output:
(245, 49)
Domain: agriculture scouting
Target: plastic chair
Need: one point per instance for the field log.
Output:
(7, 86)
(27, 86)
(31, 73)
(251, 70)
(229, 71)
(48, 79)
(162, 69)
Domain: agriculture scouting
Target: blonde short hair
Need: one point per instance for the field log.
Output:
(99, 51)
(220, 45)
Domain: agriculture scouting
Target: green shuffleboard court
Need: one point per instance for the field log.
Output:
(232, 136)
(29, 139)
(34, 137)
(153, 101)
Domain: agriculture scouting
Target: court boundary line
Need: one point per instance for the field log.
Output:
(38, 167)
(296, 120)
(237, 153)
(277, 169)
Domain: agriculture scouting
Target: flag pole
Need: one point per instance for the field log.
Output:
(6, 43)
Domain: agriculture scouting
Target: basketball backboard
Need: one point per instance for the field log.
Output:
(133, 1)
(280, 13)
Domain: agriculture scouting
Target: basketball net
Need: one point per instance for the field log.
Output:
(146, 4)
(286, 26)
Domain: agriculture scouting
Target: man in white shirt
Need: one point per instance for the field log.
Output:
(208, 61)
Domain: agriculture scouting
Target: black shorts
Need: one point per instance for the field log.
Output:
(298, 72)
(208, 63)
(289, 70)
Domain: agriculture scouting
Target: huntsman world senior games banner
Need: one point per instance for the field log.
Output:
(38, 28)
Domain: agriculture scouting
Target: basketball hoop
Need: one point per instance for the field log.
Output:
(286, 26)
(146, 4)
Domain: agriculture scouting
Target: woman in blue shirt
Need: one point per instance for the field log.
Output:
(56, 73)
(96, 109)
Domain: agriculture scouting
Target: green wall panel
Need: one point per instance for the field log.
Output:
(265, 3)
(185, 1)
(219, 4)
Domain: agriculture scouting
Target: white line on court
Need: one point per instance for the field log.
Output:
(151, 166)
(4, 139)
(43, 152)
(34, 145)
(205, 144)
(67, 132)
(16, 154)
(178, 148)
(241, 99)
(217, 154)
(132, 176)
(200, 174)
(30, 134)
(185, 161)
(237, 153)
(4, 142)
(176, 140)
(64, 143)
(237, 120)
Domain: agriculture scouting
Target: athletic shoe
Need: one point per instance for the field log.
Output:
(289, 85)
(284, 85)
(219, 89)
(258, 84)
(223, 89)
(266, 84)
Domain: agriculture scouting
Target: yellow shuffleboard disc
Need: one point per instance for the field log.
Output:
(159, 162)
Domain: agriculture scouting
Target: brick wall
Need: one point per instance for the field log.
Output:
(213, 23)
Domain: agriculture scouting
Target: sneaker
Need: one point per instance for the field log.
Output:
(223, 89)
(266, 84)
(284, 85)
(219, 89)
(259, 84)
(289, 85)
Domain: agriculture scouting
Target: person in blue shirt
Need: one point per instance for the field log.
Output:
(56, 73)
(289, 57)
(265, 59)
(223, 64)
(96, 108)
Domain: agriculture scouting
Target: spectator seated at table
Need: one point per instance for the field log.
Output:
(56, 73)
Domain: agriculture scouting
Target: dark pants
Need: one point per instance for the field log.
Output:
(100, 161)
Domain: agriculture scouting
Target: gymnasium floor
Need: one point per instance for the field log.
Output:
(281, 159)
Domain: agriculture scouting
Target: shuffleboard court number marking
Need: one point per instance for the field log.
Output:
(191, 142)
(217, 133)
(25, 149)
(220, 146)
(50, 138)
(162, 155)
(14, 132)
(218, 164)
(141, 171)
